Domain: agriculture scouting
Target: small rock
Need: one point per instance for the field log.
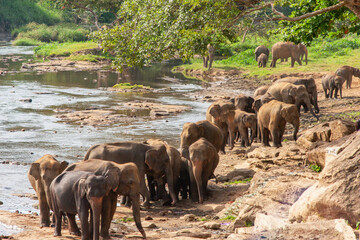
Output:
(163, 213)
(189, 217)
(29, 100)
(1, 203)
(146, 224)
(212, 225)
(148, 218)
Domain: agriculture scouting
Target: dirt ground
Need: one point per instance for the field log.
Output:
(165, 222)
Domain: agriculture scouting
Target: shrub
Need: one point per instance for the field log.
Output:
(26, 42)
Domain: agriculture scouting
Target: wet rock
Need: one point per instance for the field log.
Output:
(335, 194)
(212, 225)
(189, 217)
(341, 128)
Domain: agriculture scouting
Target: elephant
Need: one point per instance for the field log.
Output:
(76, 193)
(259, 50)
(331, 82)
(310, 86)
(221, 113)
(262, 60)
(202, 163)
(124, 180)
(303, 52)
(40, 175)
(272, 118)
(285, 50)
(260, 91)
(171, 168)
(291, 93)
(245, 120)
(347, 72)
(243, 102)
(208, 59)
(138, 153)
(261, 100)
(194, 131)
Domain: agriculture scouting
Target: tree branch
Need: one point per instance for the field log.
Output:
(307, 15)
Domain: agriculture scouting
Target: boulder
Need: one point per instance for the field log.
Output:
(336, 193)
(341, 128)
(309, 138)
(321, 230)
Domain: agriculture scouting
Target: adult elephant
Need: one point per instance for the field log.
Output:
(124, 180)
(245, 121)
(331, 82)
(272, 118)
(76, 193)
(243, 102)
(221, 113)
(171, 168)
(203, 161)
(347, 72)
(40, 175)
(303, 52)
(291, 93)
(261, 49)
(310, 86)
(209, 58)
(284, 50)
(260, 91)
(125, 152)
(194, 131)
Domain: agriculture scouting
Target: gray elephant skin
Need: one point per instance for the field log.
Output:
(202, 163)
(194, 131)
(244, 122)
(41, 173)
(347, 72)
(261, 49)
(291, 93)
(303, 52)
(310, 86)
(262, 60)
(76, 193)
(124, 180)
(331, 82)
(125, 152)
(285, 50)
(272, 118)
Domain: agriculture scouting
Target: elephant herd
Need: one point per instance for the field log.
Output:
(283, 51)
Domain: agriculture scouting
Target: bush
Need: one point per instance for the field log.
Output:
(26, 42)
(246, 57)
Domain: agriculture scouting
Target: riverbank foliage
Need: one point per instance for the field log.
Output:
(324, 55)
(63, 49)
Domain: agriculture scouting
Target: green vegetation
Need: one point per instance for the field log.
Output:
(129, 86)
(228, 217)
(124, 220)
(357, 225)
(249, 223)
(315, 167)
(247, 180)
(63, 49)
(58, 33)
(26, 42)
(86, 57)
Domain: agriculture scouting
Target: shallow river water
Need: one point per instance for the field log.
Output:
(29, 130)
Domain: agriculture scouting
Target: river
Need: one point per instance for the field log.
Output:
(29, 130)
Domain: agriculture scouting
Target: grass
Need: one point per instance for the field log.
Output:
(247, 180)
(228, 217)
(63, 49)
(27, 42)
(129, 86)
(124, 220)
(86, 57)
(324, 55)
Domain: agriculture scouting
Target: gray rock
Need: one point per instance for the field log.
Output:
(212, 225)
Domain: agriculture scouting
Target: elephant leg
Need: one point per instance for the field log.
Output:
(44, 208)
(151, 185)
(276, 138)
(107, 213)
(331, 91)
(292, 62)
(197, 171)
(73, 228)
(58, 218)
(84, 216)
(144, 191)
(193, 187)
(244, 136)
(336, 92)
(265, 136)
(340, 89)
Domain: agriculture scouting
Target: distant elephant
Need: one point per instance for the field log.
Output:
(262, 60)
(203, 161)
(347, 72)
(310, 86)
(260, 91)
(285, 50)
(272, 118)
(291, 93)
(171, 168)
(41, 174)
(245, 121)
(243, 102)
(208, 59)
(331, 82)
(194, 131)
(138, 153)
(76, 193)
(221, 113)
(124, 180)
(303, 52)
(259, 50)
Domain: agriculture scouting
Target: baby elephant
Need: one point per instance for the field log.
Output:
(77, 192)
(203, 161)
(331, 82)
(262, 60)
(244, 121)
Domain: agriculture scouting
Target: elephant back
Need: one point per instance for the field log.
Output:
(212, 133)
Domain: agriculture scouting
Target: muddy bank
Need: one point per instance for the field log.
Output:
(66, 65)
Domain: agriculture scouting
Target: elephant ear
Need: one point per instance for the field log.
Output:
(215, 111)
(150, 158)
(63, 165)
(35, 170)
(201, 131)
(82, 187)
(293, 92)
(112, 177)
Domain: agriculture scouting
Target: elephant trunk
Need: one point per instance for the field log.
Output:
(231, 129)
(135, 199)
(314, 98)
(308, 105)
(197, 171)
(170, 180)
(96, 207)
(296, 129)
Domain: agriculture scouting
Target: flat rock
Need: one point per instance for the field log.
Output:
(239, 174)
(212, 225)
